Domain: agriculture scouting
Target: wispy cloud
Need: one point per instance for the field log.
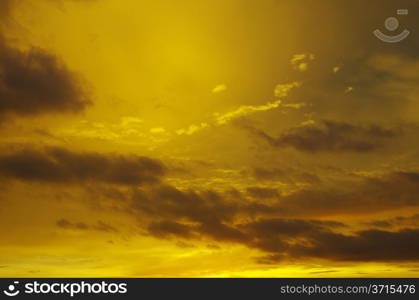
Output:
(219, 88)
(300, 61)
(281, 91)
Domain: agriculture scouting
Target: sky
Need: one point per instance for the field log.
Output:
(208, 138)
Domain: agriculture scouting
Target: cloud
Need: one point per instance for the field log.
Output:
(365, 246)
(300, 61)
(35, 82)
(331, 136)
(192, 129)
(164, 229)
(281, 91)
(245, 110)
(285, 239)
(157, 130)
(304, 240)
(288, 239)
(99, 226)
(288, 175)
(258, 192)
(349, 89)
(57, 165)
(168, 202)
(288, 226)
(65, 224)
(370, 195)
(403, 221)
(219, 88)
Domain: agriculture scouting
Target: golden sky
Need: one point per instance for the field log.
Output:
(208, 138)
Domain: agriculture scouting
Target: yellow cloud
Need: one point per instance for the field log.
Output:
(349, 89)
(281, 91)
(219, 88)
(192, 129)
(300, 61)
(157, 130)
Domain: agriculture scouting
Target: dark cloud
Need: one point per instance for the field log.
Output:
(285, 229)
(65, 224)
(363, 246)
(369, 245)
(222, 232)
(395, 222)
(57, 165)
(209, 213)
(165, 229)
(99, 226)
(215, 215)
(168, 202)
(258, 192)
(391, 191)
(288, 175)
(285, 239)
(303, 239)
(35, 82)
(331, 136)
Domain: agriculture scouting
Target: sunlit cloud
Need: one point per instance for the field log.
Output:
(349, 89)
(281, 91)
(157, 130)
(192, 129)
(300, 62)
(219, 88)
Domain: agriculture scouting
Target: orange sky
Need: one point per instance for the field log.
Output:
(200, 138)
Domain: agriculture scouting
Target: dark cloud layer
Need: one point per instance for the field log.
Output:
(57, 165)
(288, 175)
(206, 213)
(395, 222)
(288, 239)
(258, 192)
(165, 229)
(168, 202)
(331, 136)
(286, 229)
(323, 243)
(375, 194)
